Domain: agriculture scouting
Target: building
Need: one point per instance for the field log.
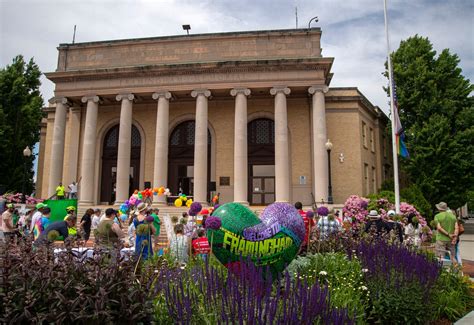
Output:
(246, 114)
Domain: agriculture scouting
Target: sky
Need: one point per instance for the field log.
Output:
(352, 30)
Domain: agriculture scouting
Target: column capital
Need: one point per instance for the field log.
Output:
(280, 89)
(165, 94)
(204, 92)
(92, 98)
(314, 89)
(236, 91)
(128, 96)
(61, 100)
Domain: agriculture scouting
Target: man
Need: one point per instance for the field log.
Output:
(308, 223)
(447, 233)
(71, 212)
(8, 228)
(395, 226)
(327, 225)
(72, 190)
(377, 222)
(60, 226)
(109, 232)
(37, 215)
(60, 191)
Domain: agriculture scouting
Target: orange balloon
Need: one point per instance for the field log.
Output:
(136, 192)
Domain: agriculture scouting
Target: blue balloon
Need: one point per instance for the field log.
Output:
(123, 217)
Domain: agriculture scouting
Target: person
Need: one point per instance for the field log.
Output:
(37, 215)
(71, 211)
(413, 231)
(447, 233)
(201, 245)
(179, 245)
(327, 225)
(308, 223)
(60, 191)
(25, 221)
(72, 190)
(86, 223)
(395, 227)
(95, 219)
(108, 232)
(143, 234)
(131, 230)
(190, 229)
(460, 223)
(156, 225)
(9, 230)
(42, 223)
(380, 225)
(60, 226)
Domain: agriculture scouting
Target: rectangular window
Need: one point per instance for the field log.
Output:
(374, 180)
(372, 140)
(364, 134)
(366, 179)
(385, 147)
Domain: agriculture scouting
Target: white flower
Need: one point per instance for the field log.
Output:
(363, 288)
(323, 273)
(365, 270)
(156, 271)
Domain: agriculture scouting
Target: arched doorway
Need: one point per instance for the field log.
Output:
(181, 158)
(261, 161)
(109, 163)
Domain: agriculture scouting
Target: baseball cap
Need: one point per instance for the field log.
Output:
(40, 206)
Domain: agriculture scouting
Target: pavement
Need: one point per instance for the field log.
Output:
(467, 254)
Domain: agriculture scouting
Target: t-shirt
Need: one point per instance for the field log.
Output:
(95, 221)
(60, 226)
(87, 223)
(7, 221)
(34, 219)
(179, 248)
(73, 188)
(156, 224)
(201, 246)
(447, 220)
(60, 190)
(40, 226)
(307, 222)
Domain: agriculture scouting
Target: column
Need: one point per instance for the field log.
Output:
(240, 145)
(74, 136)
(160, 173)
(57, 146)
(282, 159)
(200, 145)
(86, 193)
(320, 158)
(124, 148)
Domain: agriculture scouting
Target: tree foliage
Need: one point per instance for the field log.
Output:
(437, 113)
(20, 116)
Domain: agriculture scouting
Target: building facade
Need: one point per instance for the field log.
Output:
(244, 114)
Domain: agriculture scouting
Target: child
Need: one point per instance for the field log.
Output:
(42, 223)
(200, 245)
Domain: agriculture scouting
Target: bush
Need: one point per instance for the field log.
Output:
(414, 195)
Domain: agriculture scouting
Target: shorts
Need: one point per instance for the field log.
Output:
(443, 246)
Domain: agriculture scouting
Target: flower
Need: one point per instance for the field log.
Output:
(365, 270)
(213, 223)
(323, 211)
(323, 273)
(363, 288)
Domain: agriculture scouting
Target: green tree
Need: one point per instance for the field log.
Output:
(437, 113)
(20, 117)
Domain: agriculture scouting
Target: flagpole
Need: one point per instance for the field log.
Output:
(392, 116)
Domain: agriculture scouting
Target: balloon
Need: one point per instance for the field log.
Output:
(155, 193)
(127, 202)
(183, 197)
(156, 189)
(133, 200)
(161, 190)
(204, 212)
(178, 203)
(136, 192)
(140, 196)
(123, 217)
(189, 202)
(167, 192)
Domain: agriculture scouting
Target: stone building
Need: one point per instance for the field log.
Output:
(245, 114)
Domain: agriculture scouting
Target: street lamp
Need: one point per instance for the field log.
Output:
(328, 146)
(26, 154)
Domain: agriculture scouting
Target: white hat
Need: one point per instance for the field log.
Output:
(391, 213)
(142, 206)
(374, 214)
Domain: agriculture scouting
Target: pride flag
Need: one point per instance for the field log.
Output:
(399, 131)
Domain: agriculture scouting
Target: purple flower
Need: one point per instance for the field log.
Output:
(213, 223)
(323, 211)
(150, 219)
(310, 214)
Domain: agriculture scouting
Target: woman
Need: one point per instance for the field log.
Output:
(144, 230)
(86, 223)
(179, 245)
(413, 231)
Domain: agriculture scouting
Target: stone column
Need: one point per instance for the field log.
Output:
(320, 156)
(57, 146)
(74, 137)
(86, 193)
(124, 148)
(200, 145)
(282, 159)
(240, 145)
(160, 173)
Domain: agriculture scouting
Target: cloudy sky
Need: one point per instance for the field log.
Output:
(353, 30)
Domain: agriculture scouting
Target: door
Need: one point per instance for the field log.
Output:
(263, 184)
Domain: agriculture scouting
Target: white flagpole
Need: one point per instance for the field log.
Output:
(392, 116)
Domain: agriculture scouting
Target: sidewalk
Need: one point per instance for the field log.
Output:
(467, 254)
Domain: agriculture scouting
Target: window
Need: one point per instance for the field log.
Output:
(385, 147)
(372, 140)
(366, 178)
(364, 134)
(374, 180)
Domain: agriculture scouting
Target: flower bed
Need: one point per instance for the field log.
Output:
(18, 198)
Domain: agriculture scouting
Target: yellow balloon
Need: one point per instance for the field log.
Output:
(189, 202)
(178, 203)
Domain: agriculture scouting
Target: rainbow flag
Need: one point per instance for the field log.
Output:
(399, 131)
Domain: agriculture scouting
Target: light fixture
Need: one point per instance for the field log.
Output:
(187, 28)
(315, 19)
(328, 145)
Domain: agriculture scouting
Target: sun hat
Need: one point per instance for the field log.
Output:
(10, 205)
(374, 214)
(141, 207)
(391, 213)
(71, 208)
(40, 206)
(442, 206)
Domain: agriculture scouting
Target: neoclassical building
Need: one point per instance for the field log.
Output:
(244, 114)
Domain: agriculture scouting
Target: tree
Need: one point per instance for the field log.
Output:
(20, 117)
(436, 111)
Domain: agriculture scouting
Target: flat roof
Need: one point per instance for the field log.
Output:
(159, 38)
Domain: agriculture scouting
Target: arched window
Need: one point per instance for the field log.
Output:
(183, 134)
(112, 137)
(261, 132)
